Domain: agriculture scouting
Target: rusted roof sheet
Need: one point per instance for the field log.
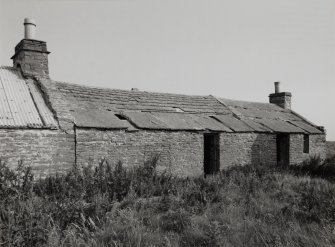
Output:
(17, 107)
(233, 123)
(280, 126)
(307, 127)
(93, 118)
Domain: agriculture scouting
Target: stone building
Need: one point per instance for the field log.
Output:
(52, 125)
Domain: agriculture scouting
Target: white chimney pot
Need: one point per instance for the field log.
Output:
(29, 28)
(277, 89)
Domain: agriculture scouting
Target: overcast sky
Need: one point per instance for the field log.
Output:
(229, 48)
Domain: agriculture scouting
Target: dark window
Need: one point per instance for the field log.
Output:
(306, 144)
(211, 153)
(283, 149)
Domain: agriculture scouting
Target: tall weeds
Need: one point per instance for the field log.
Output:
(107, 205)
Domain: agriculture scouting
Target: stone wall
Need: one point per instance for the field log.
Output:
(247, 148)
(317, 146)
(47, 151)
(181, 153)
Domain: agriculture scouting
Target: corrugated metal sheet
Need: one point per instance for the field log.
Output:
(233, 123)
(45, 113)
(280, 126)
(93, 118)
(306, 127)
(18, 108)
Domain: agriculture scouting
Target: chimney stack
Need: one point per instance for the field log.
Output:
(31, 55)
(282, 99)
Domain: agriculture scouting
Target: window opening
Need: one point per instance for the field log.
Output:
(306, 143)
(211, 153)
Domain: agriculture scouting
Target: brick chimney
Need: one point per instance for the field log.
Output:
(282, 99)
(31, 55)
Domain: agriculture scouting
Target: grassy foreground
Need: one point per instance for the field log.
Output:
(110, 206)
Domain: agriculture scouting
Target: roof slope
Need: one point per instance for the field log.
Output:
(163, 111)
(21, 104)
(27, 103)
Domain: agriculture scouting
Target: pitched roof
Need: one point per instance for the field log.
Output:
(21, 104)
(94, 107)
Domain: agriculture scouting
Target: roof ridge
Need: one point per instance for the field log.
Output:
(245, 101)
(125, 90)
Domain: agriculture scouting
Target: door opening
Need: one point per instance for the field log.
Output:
(283, 149)
(211, 153)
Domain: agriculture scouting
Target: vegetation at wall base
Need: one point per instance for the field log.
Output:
(253, 205)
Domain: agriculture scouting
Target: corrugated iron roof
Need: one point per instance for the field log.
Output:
(17, 108)
(44, 111)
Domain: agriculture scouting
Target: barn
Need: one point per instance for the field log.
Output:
(53, 125)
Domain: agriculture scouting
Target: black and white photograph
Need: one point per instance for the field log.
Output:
(167, 123)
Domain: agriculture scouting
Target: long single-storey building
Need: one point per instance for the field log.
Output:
(53, 125)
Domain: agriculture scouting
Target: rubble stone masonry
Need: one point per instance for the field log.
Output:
(47, 151)
(247, 148)
(180, 152)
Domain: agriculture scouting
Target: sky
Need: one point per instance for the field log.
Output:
(233, 49)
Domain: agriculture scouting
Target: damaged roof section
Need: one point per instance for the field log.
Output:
(266, 117)
(28, 103)
(22, 105)
(174, 121)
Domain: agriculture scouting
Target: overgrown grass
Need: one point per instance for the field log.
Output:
(253, 205)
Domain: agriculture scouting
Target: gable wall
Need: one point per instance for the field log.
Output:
(46, 151)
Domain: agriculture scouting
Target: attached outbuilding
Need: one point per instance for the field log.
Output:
(53, 125)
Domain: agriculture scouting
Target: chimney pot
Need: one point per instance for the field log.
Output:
(277, 89)
(29, 28)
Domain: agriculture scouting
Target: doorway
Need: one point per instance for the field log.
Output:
(283, 149)
(211, 153)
